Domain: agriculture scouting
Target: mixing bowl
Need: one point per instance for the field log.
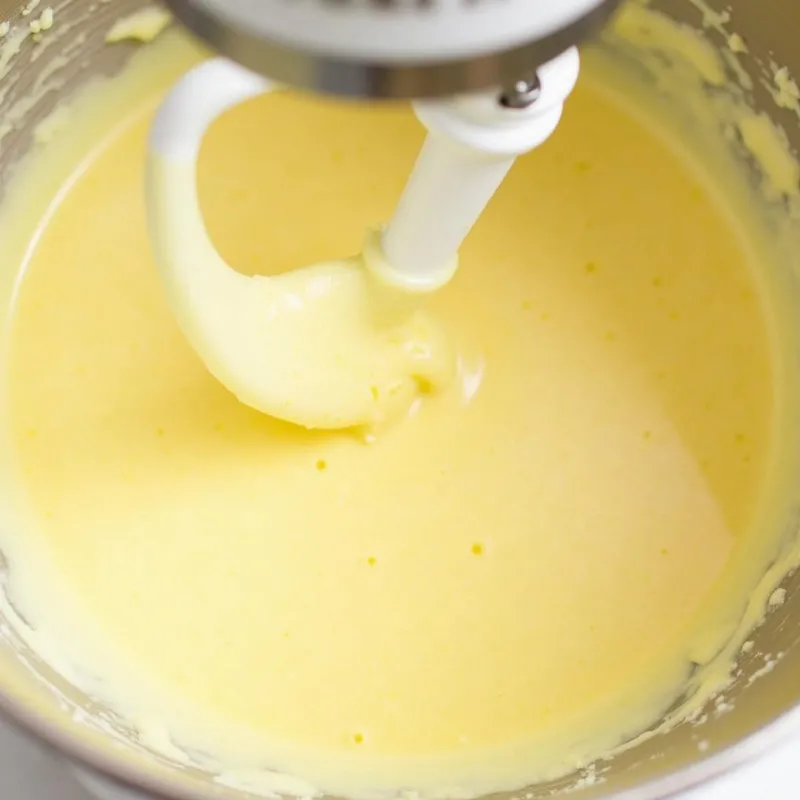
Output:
(755, 714)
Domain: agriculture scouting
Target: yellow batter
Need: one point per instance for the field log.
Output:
(502, 587)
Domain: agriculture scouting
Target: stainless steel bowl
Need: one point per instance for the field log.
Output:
(45, 705)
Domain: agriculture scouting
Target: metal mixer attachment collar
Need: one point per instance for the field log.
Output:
(393, 48)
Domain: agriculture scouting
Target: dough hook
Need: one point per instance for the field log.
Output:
(294, 369)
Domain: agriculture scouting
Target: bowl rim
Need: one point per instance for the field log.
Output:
(118, 771)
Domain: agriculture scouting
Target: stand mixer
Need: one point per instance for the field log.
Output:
(488, 82)
(433, 52)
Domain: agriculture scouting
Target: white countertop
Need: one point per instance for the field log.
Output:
(28, 773)
(773, 777)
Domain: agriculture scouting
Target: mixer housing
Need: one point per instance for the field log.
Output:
(393, 48)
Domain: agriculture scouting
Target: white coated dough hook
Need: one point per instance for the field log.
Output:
(304, 346)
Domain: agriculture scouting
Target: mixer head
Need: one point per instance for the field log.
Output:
(393, 48)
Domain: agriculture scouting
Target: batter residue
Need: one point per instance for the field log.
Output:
(506, 585)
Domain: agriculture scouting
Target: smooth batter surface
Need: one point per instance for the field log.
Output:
(495, 591)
